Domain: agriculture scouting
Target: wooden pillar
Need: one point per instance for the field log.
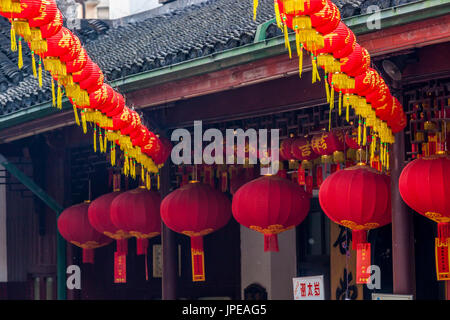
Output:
(403, 257)
(169, 247)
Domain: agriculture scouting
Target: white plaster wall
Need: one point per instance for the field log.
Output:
(255, 264)
(272, 270)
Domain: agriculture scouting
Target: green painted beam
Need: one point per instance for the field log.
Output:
(57, 208)
(260, 49)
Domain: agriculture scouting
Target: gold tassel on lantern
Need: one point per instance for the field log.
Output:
(255, 8)
(33, 64)
(299, 47)
(315, 72)
(53, 94)
(327, 88)
(359, 132)
(20, 59)
(347, 113)
(277, 14)
(95, 138)
(77, 120)
(340, 102)
(83, 121)
(113, 154)
(364, 134)
(105, 143)
(40, 73)
(159, 181)
(286, 38)
(59, 98)
(13, 39)
(148, 181)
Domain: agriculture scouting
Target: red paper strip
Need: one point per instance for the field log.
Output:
(120, 268)
(442, 259)
(319, 175)
(362, 263)
(301, 178)
(198, 259)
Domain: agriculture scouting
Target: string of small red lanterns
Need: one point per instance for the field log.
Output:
(40, 24)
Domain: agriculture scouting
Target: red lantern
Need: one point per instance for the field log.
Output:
(357, 62)
(397, 120)
(270, 205)
(286, 149)
(99, 218)
(349, 43)
(137, 213)
(78, 63)
(351, 139)
(50, 29)
(327, 144)
(152, 146)
(74, 226)
(424, 185)
(301, 149)
(163, 154)
(327, 19)
(47, 13)
(196, 210)
(95, 79)
(359, 199)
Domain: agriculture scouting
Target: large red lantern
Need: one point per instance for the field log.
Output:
(137, 212)
(270, 205)
(100, 219)
(74, 226)
(359, 199)
(424, 185)
(196, 210)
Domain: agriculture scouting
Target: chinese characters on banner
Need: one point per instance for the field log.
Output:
(343, 268)
(309, 288)
(120, 268)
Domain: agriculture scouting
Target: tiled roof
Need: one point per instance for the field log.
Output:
(183, 34)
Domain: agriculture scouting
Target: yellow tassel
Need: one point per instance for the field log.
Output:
(77, 119)
(95, 139)
(83, 121)
(327, 89)
(255, 8)
(105, 143)
(59, 98)
(13, 39)
(340, 103)
(148, 181)
(33, 63)
(331, 97)
(286, 40)
(387, 158)
(277, 14)
(53, 94)
(142, 174)
(20, 60)
(347, 113)
(113, 155)
(359, 133)
(40, 73)
(365, 134)
(159, 181)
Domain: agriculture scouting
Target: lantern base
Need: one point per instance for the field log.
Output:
(141, 246)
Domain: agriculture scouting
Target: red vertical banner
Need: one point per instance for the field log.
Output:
(120, 268)
(319, 176)
(442, 259)
(362, 263)
(198, 259)
(309, 184)
(301, 177)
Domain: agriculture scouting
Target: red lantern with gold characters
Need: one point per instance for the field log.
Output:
(328, 144)
(424, 185)
(359, 199)
(137, 213)
(270, 205)
(196, 210)
(74, 226)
